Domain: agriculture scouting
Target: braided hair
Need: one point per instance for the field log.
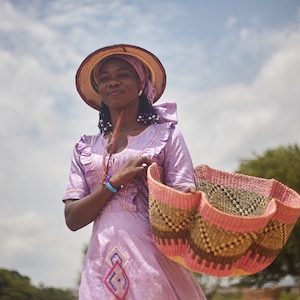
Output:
(147, 115)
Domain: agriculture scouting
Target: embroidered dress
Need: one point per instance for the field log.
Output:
(122, 261)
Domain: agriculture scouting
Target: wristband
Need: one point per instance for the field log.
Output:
(110, 187)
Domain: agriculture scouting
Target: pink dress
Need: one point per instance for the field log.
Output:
(122, 261)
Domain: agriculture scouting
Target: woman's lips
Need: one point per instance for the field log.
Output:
(115, 93)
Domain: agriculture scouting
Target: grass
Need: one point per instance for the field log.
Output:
(227, 297)
(283, 296)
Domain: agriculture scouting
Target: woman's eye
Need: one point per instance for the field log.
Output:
(120, 76)
(103, 79)
(124, 75)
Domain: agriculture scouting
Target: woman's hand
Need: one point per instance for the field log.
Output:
(133, 167)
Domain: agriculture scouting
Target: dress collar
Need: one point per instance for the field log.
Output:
(167, 112)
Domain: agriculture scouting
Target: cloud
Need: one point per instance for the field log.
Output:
(230, 22)
(240, 118)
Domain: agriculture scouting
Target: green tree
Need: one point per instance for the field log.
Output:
(47, 293)
(282, 164)
(14, 286)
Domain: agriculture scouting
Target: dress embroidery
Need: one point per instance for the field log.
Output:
(117, 280)
(116, 255)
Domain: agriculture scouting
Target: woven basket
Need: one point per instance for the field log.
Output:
(233, 225)
(272, 293)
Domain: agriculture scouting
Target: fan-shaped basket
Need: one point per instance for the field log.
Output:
(233, 225)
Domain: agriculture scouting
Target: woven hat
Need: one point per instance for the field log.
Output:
(233, 225)
(84, 80)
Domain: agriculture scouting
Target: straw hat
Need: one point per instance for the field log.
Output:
(84, 80)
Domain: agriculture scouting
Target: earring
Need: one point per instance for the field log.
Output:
(147, 118)
(140, 93)
(104, 124)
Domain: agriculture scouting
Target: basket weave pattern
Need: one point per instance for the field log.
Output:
(272, 293)
(233, 225)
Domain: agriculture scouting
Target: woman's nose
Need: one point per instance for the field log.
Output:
(114, 82)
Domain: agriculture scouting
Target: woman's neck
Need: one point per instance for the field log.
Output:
(127, 117)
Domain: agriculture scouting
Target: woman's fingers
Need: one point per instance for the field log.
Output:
(146, 162)
(132, 168)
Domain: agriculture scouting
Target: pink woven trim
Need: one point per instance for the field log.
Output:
(287, 212)
(191, 261)
(179, 199)
(253, 263)
(246, 264)
(250, 183)
(235, 223)
(267, 187)
(287, 201)
(249, 263)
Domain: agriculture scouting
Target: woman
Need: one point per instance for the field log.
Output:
(108, 185)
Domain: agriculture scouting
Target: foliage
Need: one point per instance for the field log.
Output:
(14, 286)
(47, 293)
(288, 296)
(283, 296)
(282, 164)
(227, 296)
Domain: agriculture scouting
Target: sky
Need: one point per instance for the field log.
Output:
(233, 68)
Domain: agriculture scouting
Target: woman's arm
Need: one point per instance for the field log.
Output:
(178, 165)
(79, 213)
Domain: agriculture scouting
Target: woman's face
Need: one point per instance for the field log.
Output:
(118, 83)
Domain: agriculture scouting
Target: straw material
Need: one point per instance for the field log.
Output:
(233, 225)
(272, 293)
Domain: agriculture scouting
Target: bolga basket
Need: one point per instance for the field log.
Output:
(272, 293)
(233, 225)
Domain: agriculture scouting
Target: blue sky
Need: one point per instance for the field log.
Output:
(233, 68)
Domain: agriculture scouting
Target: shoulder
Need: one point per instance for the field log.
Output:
(166, 134)
(86, 141)
(170, 130)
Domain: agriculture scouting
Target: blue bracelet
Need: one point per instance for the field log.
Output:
(110, 187)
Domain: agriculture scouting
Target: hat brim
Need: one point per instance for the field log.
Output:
(84, 82)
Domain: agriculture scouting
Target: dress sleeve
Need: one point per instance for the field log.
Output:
(77, 186)
(178, 166)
